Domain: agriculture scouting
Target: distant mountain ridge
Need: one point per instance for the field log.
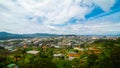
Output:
(6, 35)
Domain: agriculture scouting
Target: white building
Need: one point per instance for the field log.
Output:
(33, 52)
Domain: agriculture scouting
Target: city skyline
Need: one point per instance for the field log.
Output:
(60, 16)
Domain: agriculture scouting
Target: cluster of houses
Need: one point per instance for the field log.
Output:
(73, 42)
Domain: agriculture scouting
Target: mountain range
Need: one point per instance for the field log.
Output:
(6, 35)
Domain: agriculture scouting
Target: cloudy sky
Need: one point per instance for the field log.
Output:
(60, 16)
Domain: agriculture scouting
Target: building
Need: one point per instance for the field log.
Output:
(78, 48)
(58, 55)
(72, 55)
(33, 52)
(95, 50)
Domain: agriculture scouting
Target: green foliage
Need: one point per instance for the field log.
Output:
(2, 62)
(109, 57)
(37, 63)
(118, 41)
(63, 64)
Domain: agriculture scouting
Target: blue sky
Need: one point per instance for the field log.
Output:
(60, 16)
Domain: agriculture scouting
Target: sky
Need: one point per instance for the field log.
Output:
(60, 16)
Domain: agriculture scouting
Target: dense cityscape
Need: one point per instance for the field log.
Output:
(61, 52)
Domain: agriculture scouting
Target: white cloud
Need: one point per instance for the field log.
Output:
(103, 4)
(14, 17)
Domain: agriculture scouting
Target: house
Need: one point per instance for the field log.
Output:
(78, 48)
(58, 55)
(10, 48)
(72, 55)
(33, 52)
(57, 46)
(95, 50)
